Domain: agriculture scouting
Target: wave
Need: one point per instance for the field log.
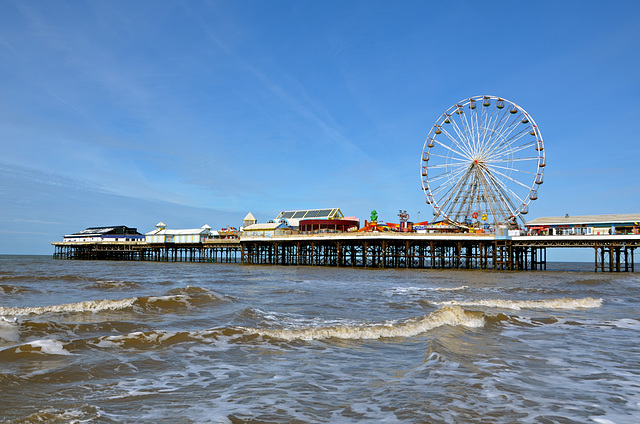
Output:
(560, 303)
(113, 285)
(86, 306)
(24, 277)
(82, 414)
(175, 299)
(10, 289)
(39, 347)
(588, 282)
(447, 315)
(419, 290)
(9, 330)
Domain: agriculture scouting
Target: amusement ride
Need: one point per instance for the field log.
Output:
(482, 163)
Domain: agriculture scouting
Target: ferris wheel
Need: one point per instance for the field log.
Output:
(482, 163)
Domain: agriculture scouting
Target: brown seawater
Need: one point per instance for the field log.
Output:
(123, 342)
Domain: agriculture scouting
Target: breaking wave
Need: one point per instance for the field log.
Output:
(175, 299)
(561, 303)
(447, 315)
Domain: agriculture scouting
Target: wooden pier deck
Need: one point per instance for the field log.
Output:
(613, 253)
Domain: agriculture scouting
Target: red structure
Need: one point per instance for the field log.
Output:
(328, 225)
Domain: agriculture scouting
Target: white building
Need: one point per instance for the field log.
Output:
(163, 235)
(114, 233)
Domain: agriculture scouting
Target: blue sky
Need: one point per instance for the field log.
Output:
(130, 113)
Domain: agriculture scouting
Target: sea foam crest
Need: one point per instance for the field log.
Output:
(448, 315)
(420, 290)
(561, 303)
(86, 306)
(49, 347)
(177, 298)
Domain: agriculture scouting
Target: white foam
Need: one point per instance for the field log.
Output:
(9, 329)
(632, 324)
(50, 347)
(448, 315)
(87, 306)
(561, 303)
(419, 290)
(602, 420)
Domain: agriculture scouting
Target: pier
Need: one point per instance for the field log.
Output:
(223, 250)
(612, 253)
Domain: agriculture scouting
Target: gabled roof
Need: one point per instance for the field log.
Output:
(249, 217)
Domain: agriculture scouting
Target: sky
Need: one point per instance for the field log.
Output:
(193, 113)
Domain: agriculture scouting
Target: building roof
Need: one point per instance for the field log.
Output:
(100, 231)
(294, 217)
(249, 217)
(628, 218)
(159, 231)
(265, 227)
(331, 213)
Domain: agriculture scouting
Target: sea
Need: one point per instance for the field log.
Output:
(154, 342)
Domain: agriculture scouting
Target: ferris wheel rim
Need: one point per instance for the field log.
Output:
(478, 159)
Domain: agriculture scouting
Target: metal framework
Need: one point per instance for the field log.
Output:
(395, 253)
(612, 253)
(482, 162)
(225, 251)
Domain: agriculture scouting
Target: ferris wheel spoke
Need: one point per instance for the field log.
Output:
(462, 160)
(491, 205)
(462, 152)
(494, 144)
(506, 190)
(492, 166)
(468, 130)
(502, 196)
(452, 173)
(510, 179)
(448, 165)
(451, 186)
(449, 178)
(462, 138)
(511, 149)
(492, 161)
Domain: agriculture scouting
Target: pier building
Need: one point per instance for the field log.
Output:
(112, 233)
(586, 225)
(268, 229)
(249, 220)
(163, 235)
(294, 217)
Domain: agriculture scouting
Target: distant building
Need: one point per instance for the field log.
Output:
(586, 225)
(267, 230)
(163, 235)
(114, 233)
(312, 226)
(249, 220)
(293, 218)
